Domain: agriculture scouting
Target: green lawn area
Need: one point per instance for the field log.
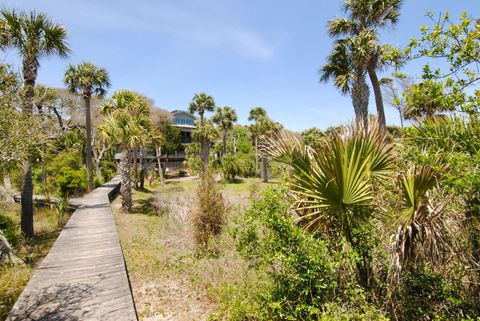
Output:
(15, 278)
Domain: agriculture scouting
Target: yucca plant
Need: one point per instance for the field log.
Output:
(424, 230)
(333, 188)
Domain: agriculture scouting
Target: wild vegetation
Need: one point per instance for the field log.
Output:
(361, 221)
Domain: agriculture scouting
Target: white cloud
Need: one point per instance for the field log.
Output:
(205, 24)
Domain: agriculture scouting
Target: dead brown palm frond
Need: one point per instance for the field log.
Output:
(426, 230)
(332, 188)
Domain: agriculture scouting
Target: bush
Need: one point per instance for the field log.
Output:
(230, 168)
(9, 229)
(210, 215)
(108, 169)
(302, 278)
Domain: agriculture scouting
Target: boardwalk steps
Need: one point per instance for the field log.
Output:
(83, 277)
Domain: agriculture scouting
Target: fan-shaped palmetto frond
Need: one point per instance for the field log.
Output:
(332, 188)
(129, 122)
(87, 79)
(424, 232)
(32, 34)
(201, 103)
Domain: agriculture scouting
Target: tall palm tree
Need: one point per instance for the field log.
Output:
(368, 16)
(262, 128)
(201, 103)
(345, 66)
(34, 36)
(87, 79)
(224, 118)
(128, 122)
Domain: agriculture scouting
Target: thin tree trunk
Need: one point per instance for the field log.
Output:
(27, 200)
(264, 169)
(125, 185)
(158, 152)
(98, 172)
(378, 97)
(224, 152)
(360, 95)
(142, 171)
(8, 189)
(256, 156)
(135, 168)
(86, 99)
(400, 111)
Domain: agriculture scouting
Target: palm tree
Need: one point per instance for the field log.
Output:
(205, 135)
(34, 36)
(224, 118)
(201, 103)
(368, 16)
(87, 79)
(345, 66)
(127, 124)
(262, 128)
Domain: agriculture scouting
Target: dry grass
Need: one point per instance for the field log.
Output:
(13, 279)
(169, 281)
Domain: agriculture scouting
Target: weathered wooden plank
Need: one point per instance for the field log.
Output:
(84, 276)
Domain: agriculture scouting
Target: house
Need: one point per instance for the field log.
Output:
(186, 122)
(174, 161)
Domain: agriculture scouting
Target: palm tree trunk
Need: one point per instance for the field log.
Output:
(224, 152)
(88, 159)
(378, 97)
(27, 200)
(125, 187)
(135, 168)
(30, 68)
(158, 152)
(256, 156)
(142, 171)
(205, 154)
(264, 169)
(360, 95)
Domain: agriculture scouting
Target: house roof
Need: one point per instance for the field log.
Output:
(176, 112)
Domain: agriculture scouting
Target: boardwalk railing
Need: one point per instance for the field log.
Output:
(84, 276)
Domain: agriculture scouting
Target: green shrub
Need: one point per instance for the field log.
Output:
(9, 229)
(210, 214)
(230, 167)
(302, 278)
(72, 182)
(108, 169)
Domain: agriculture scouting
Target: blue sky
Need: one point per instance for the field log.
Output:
(244, 53)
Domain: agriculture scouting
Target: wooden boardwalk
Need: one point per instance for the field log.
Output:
(83, 276)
